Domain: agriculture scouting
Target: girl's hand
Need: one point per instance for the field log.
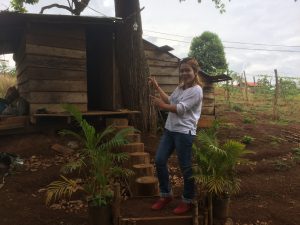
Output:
(153, 82)
(157, 101)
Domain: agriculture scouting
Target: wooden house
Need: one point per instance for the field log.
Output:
(163, 65)
(72, 59)
(63, 59)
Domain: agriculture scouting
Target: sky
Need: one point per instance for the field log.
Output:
(272, 25)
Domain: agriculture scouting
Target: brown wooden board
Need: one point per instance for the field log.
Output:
(13, 122)
(167, 80)
(156, 71)
(54, 51)
(55, 108)
(159, 55)
(206, 121)
(52, 62)
(54, 86)
(56, 41)
(57, 97)
(158, 62)
(75, 31)
(40, 73)
(208, 110)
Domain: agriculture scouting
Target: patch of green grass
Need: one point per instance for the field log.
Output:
(247, 139)
(275, 139)
(296, 154)
(248, 120)
(237, 108)
(281, 165)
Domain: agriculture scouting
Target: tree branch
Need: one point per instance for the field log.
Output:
(57, 6)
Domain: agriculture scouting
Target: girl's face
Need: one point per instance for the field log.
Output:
(187, 74)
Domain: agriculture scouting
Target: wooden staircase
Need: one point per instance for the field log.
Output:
(143, 182)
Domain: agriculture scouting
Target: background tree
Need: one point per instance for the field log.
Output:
(77, 6)
(209, 52)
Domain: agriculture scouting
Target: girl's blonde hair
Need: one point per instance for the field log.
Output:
(195, 66)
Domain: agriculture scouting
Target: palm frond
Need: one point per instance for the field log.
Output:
(59, 189)
(65, 132)
(72, 166)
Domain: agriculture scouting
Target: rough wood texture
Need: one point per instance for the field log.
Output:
(136, 158)
(13, 122)
(54, 51)
(56, 41)
(116, 122)
(146, 186)
(141, 170)
(57, 97)
(160, 55)
(133, 138)
(206, 121)
(53, 86)
(132, 147)
(209, 110)
(39, 73)
(55, 108)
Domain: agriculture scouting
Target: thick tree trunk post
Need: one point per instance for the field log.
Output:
(246, 87)
(195, 213)
(210, 210)
(275, 109)
(117, 204)
(133, 68)
(146, 186)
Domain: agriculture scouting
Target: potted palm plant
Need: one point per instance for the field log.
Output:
(215, 169)
(97, 164)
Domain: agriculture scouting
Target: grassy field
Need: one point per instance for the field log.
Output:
(288, 107)
(6, 81)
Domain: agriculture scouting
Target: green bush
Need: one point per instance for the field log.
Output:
(247, 139)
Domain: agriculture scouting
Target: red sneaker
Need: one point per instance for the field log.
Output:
(161, 203)
(183, 207)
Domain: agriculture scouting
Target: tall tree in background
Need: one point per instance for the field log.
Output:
(77, 6)
(209, 52)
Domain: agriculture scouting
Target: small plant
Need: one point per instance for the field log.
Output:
(276, 139)
(296, 154)
(247, 139)
(237, 108)
(281, 165)
(97, 163)
(248, 120)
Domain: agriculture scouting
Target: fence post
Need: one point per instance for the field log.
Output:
(275, 108)
(246, 87)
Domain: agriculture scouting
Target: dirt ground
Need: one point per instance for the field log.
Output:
(270, 192)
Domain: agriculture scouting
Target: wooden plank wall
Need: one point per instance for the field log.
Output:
(163, 67)
(51, 67)
(208, 114)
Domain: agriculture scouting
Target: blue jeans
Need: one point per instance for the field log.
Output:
(182, 143)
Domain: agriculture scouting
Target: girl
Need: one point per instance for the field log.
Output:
(184, 106)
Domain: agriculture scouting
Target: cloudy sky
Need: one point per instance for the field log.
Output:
(272, 25)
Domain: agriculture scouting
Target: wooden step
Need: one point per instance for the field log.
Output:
(138, 158)
(146, 186)
(133, 138)
(132, 147)
(13, 122)
(118, 128)
(137, 211)
(141, 170)
(116, 121)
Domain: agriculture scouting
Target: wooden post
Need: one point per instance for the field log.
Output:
(195, 213)
(246, 87)
(117, 204)
(275, 109)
